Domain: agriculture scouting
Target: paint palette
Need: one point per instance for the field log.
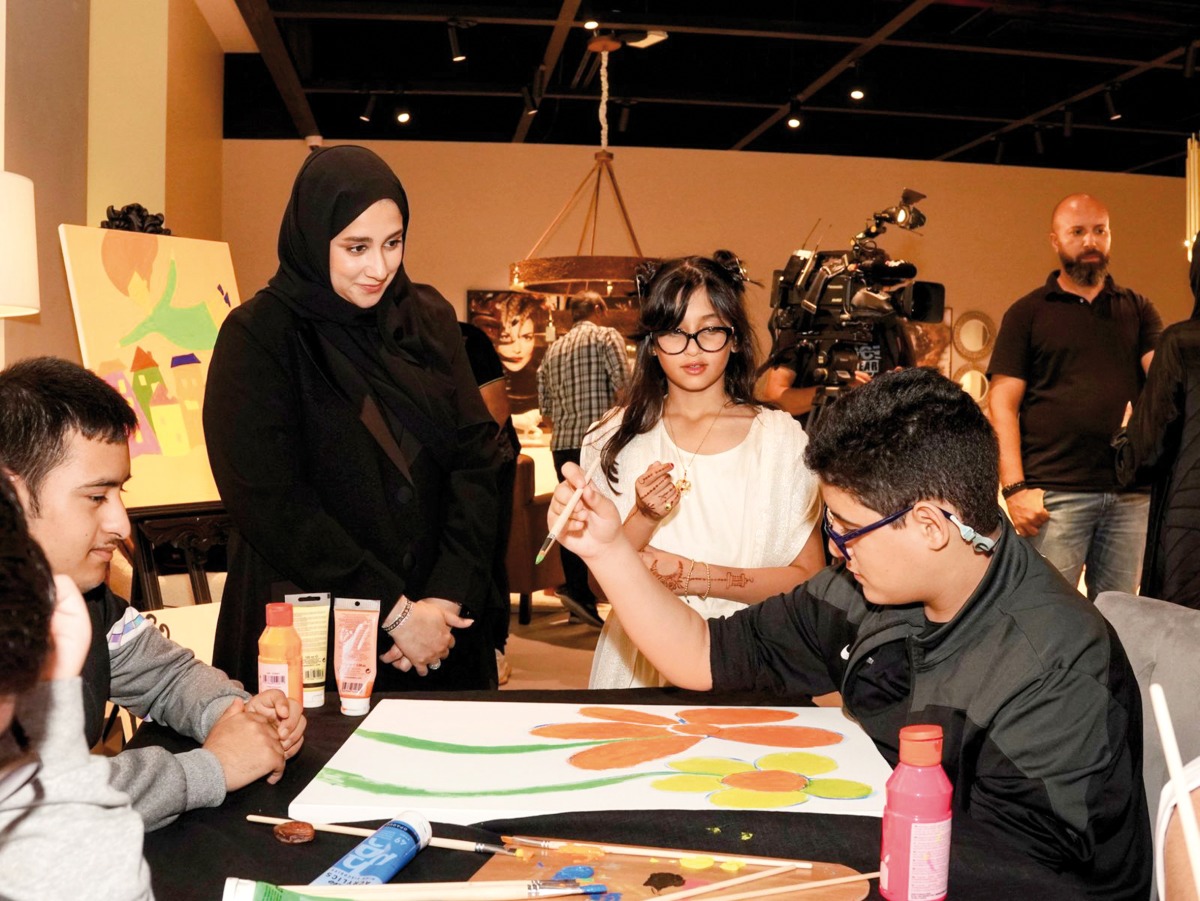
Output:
(637, 878)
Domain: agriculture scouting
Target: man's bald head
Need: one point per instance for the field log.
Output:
(1077, 204)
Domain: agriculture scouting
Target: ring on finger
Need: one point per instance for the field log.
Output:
(435, 664)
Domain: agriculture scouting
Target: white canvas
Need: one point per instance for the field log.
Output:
(500, 765)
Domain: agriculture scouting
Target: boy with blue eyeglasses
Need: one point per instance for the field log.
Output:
(933, 612)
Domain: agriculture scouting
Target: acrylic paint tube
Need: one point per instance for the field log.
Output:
(379, 857)
(310, 616)
(355, 631)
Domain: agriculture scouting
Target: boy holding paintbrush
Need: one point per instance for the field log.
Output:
(934, 612)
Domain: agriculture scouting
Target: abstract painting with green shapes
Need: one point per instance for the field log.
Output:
(469, 761)
(147, 310)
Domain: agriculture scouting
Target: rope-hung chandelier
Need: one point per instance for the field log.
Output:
(609, 275)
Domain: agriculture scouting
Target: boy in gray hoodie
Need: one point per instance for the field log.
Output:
(63, 448)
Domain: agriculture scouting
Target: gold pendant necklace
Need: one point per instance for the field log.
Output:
(683, 485)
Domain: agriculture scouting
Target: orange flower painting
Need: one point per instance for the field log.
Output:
(632, 737)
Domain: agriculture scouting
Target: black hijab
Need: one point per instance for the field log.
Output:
(395, 350)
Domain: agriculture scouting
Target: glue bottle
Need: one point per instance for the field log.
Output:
(915, 851)
(280, 661)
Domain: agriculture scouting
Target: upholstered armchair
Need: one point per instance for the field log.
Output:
(525, 538)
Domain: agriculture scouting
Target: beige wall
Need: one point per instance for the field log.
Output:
(127, 106)
(45, 139)
(143, 126)
(195, 86)
(478, 207)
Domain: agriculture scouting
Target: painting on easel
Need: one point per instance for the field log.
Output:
(147, 310)
(470, 761)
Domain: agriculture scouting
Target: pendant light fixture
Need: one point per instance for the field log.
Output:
(609, 275)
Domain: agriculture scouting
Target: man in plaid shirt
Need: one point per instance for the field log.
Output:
(577, 384)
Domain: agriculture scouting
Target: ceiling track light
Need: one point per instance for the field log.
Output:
(1113, 113)
(623, 119)
(456, 54)
(1068, 122)
(795, 118)
(402, 114)
(1038, 143)
(999, 151)
(531, 107)
(369, 109)
(1189, 60)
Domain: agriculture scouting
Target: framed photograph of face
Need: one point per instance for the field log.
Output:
(521, 326)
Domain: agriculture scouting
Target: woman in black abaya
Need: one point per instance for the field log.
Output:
(349, 442)
(1162, 447)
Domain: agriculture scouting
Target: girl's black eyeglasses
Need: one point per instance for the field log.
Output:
(711, 339)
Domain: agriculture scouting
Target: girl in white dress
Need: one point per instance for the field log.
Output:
(710, 484)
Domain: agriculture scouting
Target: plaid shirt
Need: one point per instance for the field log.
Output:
(578, 380)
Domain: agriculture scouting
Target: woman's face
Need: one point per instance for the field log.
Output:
(365, 255)
(517, 333)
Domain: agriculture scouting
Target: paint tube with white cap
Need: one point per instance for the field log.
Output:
(355, 630)
(380, 856)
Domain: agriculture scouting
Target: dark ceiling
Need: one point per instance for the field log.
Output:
(1021, 82)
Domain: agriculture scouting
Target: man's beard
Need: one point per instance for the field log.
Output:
(1085, 273)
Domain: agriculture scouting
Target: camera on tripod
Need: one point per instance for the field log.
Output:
(837, 312)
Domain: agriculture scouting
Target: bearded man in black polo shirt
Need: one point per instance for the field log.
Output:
(1069, 357)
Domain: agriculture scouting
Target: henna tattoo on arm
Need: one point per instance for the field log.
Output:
(673, 581)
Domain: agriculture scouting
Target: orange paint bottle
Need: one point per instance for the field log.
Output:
(279, 656)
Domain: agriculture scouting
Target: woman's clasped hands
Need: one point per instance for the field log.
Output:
(424, 640)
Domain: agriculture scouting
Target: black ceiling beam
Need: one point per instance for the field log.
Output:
(897, 22)
(260, 21)
(1067, 102)
(388, 11)
(558, 37)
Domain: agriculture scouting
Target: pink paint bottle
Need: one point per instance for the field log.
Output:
(915, 852)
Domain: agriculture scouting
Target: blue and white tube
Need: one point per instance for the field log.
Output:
(380, 856)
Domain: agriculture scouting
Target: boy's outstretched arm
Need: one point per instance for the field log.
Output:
(673, 636)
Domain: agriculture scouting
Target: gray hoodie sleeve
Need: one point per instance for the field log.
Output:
(67, 805)
(157, 679)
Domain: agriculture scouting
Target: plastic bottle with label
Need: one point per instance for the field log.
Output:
(915, 850)
(280, 661)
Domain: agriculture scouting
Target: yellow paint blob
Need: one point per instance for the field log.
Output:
(746, 836)
(698, 862)
(732, 866)
(689, 782)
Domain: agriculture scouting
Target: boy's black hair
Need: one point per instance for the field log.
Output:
(26, 598)
(908, 436)
(42, 400)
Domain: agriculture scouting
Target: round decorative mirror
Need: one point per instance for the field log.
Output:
(973, 380)
(974, 334)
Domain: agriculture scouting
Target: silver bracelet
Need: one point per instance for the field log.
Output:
(399, 620)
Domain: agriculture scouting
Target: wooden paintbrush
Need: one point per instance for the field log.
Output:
(454, 844)
(555, 844)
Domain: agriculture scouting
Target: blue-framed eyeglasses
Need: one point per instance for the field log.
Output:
(979, 542)
(841, 539)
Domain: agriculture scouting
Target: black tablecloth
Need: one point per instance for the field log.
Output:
(191, 858)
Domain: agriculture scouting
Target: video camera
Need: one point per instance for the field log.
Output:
(839, 311)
